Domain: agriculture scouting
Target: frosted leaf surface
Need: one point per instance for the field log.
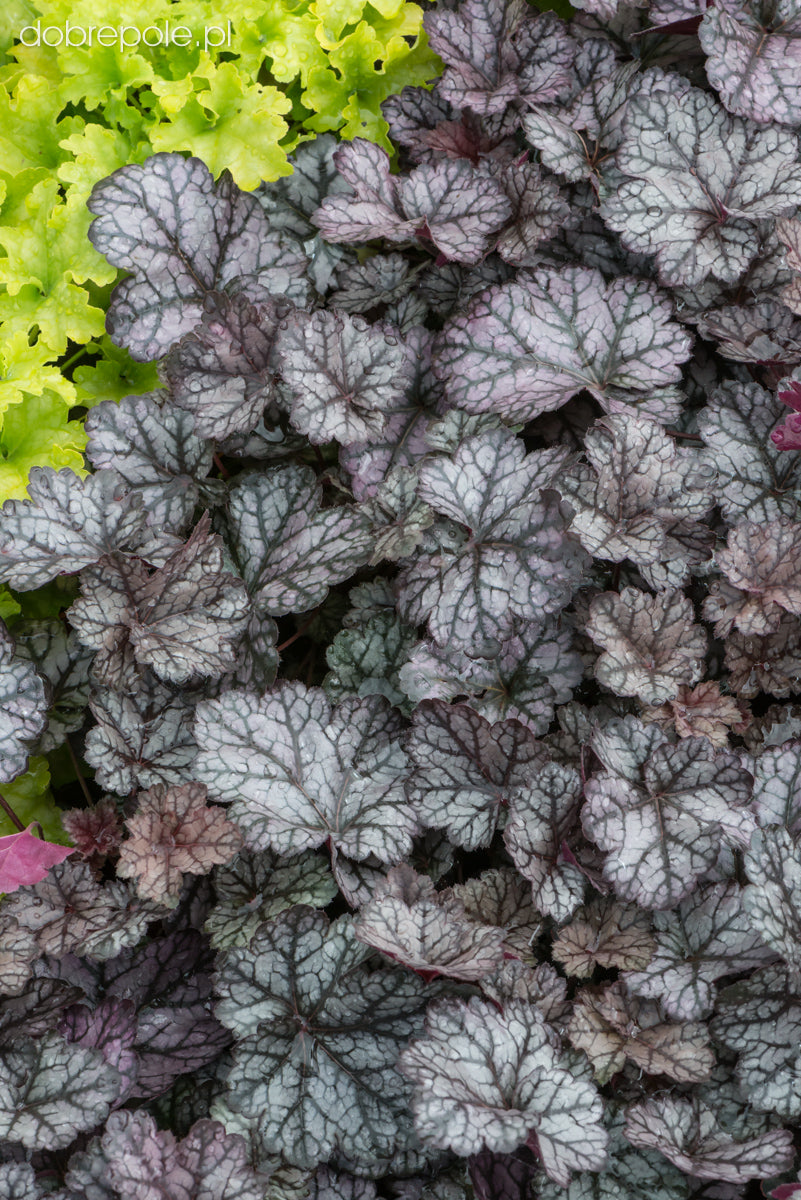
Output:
(298, 773)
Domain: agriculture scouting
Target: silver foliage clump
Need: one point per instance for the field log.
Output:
(431, 649)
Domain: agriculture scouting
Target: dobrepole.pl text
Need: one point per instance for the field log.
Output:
(127, 37)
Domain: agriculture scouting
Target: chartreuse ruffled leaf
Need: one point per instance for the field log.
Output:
(31, 128)
(25, 370)
(230, 124)
(37, 433)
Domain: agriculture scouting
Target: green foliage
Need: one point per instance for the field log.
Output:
(31, 799)
(72, 114)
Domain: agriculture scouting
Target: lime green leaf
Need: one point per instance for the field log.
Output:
(233, 125)
(37, 433)
(9, 607)
(30, 131)
(26, 370)
(113, 376)
(95, 73)
(173, 93)
(16, 14)
(47, 255)
(15, 190)
(30, 797)
(335, 15)
(97, 152)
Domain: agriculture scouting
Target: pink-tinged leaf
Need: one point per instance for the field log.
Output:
(25, 859)
(791, 395)
(787, 436)
(786, 1191)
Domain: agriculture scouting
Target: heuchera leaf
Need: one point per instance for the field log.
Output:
(539, 211)
(630, 1173)
(183, 620)
(772, 899)
(132, 1157)
(527, 347)
(109, 1028)
(708, 936)
(604, 933)
(753, 55)
(343, 375)
(318, 1038)
(144, 215)
(765, 664)
(26, 859)
(68, 523)
(661, 811)
(255, 887)
(290, 553)
(534, 670)
(168, 979)
(50, 1091)
(403, 441)
(366, 661)
(151, 444)
(60, 659)
(702, 711)
(640, 498)
(539, 986)
(777, 786)
(339, 781)
(450, 205)
(466, 770)
(69, 911)
(687, 1133)
(490, 1079)
(224, 373)
(759, 1019)
(496, 52)
(610, 1027)
(696, 214)
(290, 203)
(501, 897)
(651, 647)
(140, 739)
(542, 816)
(572, 141)
(759, 581)
(174, 831)
(23, 711)
(407, 920)
(515, 553)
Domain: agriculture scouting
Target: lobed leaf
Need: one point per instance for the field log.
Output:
(300, 774)
(526, 347)
(143, 218)
(486, 1078)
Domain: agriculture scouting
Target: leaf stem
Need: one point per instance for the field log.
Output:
(9, 811)
(73, 358)
(298, 633)
(76, 767)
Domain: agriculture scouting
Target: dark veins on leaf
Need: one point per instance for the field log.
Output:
(415, 672)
